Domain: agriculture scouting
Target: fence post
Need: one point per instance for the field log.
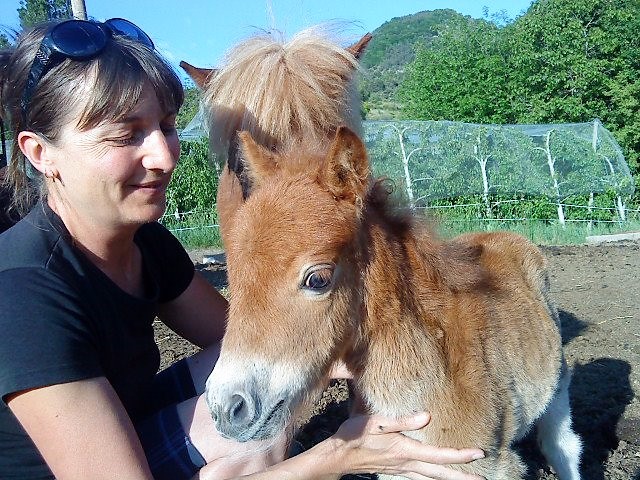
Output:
(550, 163)
(620, 207)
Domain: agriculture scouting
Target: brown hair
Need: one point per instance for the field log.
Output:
(116, 78)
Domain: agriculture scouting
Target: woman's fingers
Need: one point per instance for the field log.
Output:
(439, 455)
(377, 445)
(428, 453)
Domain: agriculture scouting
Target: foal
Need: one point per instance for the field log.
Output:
(278, 91)
(321, 268)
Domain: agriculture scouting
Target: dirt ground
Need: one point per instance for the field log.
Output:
(597, 291)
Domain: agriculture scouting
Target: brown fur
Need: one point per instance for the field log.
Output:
(279, 92)
(463, 329)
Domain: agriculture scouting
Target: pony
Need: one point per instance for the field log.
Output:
(323, 267)
(277, 90)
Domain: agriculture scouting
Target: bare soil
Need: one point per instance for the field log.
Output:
(597, 290)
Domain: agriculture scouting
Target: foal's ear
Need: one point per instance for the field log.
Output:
(259, 161)
(345, 172)
(200, 76)
(357, 49)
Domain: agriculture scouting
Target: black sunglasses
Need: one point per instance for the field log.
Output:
(77, 40)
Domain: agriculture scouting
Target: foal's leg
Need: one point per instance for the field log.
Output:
(558, 442)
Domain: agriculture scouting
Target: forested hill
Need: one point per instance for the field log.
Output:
(393, 42)
(393, 47)
(562, 61)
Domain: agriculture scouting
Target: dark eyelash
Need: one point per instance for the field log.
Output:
(124, 141)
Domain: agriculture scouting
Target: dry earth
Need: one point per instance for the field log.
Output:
(597, 291)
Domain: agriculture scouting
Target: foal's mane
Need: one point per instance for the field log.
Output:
(281, 90)
(456, 264)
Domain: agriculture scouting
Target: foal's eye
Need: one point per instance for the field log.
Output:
(317, 279)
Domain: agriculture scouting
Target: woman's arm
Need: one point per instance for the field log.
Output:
(198, 314)
(370, 444)
(82, 430)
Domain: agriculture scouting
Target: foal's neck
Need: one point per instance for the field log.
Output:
(401, 336)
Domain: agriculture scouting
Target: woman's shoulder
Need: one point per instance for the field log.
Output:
(30, 243)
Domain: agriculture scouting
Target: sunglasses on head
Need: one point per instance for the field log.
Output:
(77, 40)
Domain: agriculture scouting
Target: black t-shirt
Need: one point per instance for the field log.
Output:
(62, 319)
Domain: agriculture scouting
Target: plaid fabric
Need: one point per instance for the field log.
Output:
(168, 448)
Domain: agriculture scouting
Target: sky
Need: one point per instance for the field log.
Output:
(201, 31)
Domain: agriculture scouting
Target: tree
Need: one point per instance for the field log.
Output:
(462, 75)
(4, 41)
(577, 60)
(32, 12)
(563, 61)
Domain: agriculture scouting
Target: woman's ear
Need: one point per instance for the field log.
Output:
(35, 149)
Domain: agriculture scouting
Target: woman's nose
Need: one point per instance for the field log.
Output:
(160, 153)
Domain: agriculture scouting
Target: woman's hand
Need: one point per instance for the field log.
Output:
(368, 444)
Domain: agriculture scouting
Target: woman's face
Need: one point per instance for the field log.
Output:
(116, 174)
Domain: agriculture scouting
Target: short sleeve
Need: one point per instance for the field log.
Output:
(46, 337)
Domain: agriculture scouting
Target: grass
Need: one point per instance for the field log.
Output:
(200, 229)
(540, 232)
(195, 229)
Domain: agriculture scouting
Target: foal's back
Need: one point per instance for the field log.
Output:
(522, 325)
(504, 339)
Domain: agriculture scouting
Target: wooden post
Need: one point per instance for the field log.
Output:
(79, 10)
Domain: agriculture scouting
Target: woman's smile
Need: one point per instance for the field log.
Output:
(153, 187)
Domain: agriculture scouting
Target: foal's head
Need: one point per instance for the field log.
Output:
(279, 90)
(293, 286)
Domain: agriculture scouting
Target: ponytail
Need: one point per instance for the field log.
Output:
(19, 194)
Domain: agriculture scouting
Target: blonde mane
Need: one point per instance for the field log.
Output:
(280, 91)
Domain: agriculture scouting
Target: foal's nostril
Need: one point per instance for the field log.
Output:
(239, 411)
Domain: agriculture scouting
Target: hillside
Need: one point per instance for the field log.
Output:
(391, 49)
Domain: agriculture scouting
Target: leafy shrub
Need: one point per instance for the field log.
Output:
(194, 185)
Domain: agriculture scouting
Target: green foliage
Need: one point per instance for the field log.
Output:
(462, 75)
(194, 183)
(393, 47)
(4, 41)
(32, 12)
(562, 61)
(189, 107)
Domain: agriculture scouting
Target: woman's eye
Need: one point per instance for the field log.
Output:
(319, 280)
(127, 139)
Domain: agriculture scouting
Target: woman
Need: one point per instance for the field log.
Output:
(85, 273)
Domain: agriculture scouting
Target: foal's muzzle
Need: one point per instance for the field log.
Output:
(242, 416)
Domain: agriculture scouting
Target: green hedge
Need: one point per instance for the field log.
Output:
(194, 185)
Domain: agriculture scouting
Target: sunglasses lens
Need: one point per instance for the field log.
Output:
(123, 27)
(78, 39)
